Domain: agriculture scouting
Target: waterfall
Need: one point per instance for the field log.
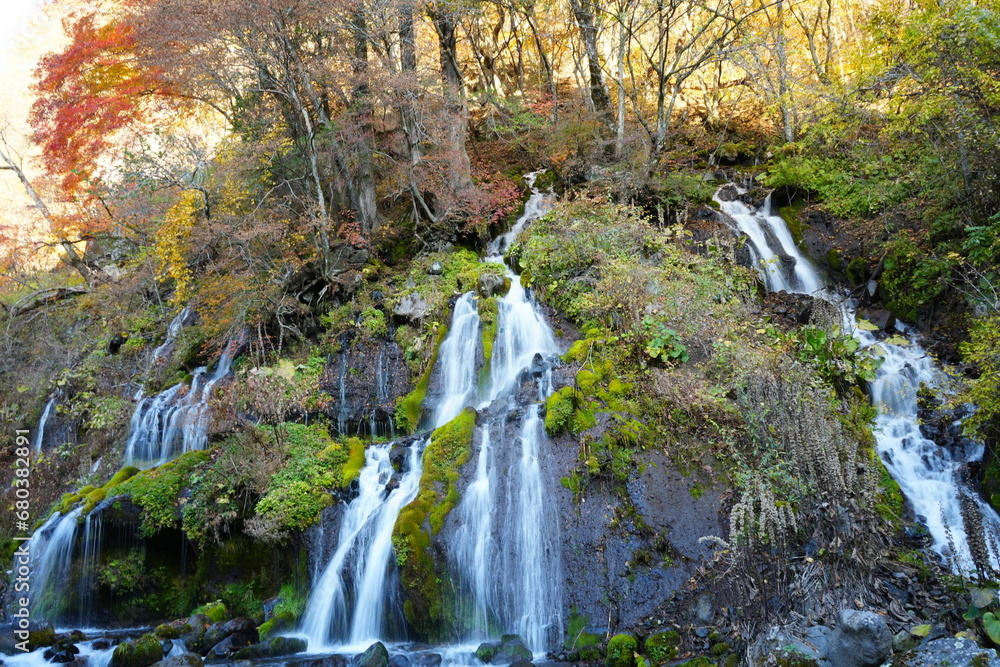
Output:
(182, 319)
(50, 560)
(927, 474)
(93, 532)
(337, 610)
(40, 431)
(176, 420)
(514, 589)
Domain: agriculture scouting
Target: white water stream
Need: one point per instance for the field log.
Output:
(515, 589)
(926, 472)
(176, 420)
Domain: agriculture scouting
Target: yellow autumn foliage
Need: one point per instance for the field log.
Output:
(172, 243)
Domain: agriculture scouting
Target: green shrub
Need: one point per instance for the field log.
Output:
(662, 646)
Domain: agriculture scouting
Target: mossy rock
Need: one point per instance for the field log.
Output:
(281, 621)
(143, 652)
(621, 651)
(122, 475)
(376, 656)
(833, 260)
(509, 649)
(857, 271)
(42, 637)
(409, 408)
(167, 631)
(662, 646)
(286, 645)
(702, 661)
(355, 462)
(215, 611)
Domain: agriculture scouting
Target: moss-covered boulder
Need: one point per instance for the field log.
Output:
(509, 649)
(167, 631)
(216, 611)
(283, 620)
(375, 656)
(182, 660)
(141, 652)
(621, 651)
(287, 645)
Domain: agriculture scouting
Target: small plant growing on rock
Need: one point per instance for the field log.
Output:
(621, 651)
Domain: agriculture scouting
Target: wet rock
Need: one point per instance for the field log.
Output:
(215, 634)
(182, 660)
(426, 660)
(141, 652)
(287, 645)
(435, 269)
(194, 636)
(221, 650)
(411, 307)
(952, 652)
(510, 648)
(728, 193)
(253, 652)
(328, 661)
(399, 660)
(80, 661)
(522, 663)
(269, 607)
(883, 319)
(375, 656)
(242, 631)
(861, 639)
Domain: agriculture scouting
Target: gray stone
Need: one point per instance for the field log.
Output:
(182, 660)
(411, 307)
(492, 284)
(903, 641)
(779, 645)
(399, 660)
(375, 656)
(436, 269)
(509, 649)
(287, 645)
(861, 639)
(703, 610)
(952, 652)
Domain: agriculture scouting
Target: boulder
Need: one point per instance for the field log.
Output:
(861, 639)
(492, 284)
(214, 634)
(220, 651)
(253, 652)
(243, 631)
(509, 649)
(375, 656)
(952, 652)
(426, 660)
(141, 652)
(435, 269)
(287, 645)
(327, 661)
(881, 318)
(399, 660)
(411, 307)
(182, 660)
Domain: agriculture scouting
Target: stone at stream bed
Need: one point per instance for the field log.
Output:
(399, 660)
(375, 656)
(328, 661)
(426, 660)
(522, 663)
(287, 645)
(861, 639)
(182, 660)
(509, 649)
(141, 652)
(492, 284)
(952, 652)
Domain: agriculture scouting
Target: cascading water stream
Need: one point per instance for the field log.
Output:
(336, 611)
(927, 474)
(40, 431)
(515, 589)
(50, 562)
(176, 420)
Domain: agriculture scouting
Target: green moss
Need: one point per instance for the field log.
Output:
(489, 320)
(157, 490)
(93, 499)
(122, 475)
(45, 636)
(165, 631)
(216, 611)
(373, 323)
(281, 621)
(355, 462)
(410, 407)
(621, 651)
(890, 501)
(721, 648)
(298, 492)
(427, 599)
(833, 259)
(559, 410)
(792, 215)
(700, 661)
(67, 502)
(662, 646)
(857, 270)
(447, 452)
(144, 651)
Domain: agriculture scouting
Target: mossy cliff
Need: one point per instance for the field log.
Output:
(428, 605)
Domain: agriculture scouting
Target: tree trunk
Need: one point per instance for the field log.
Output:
(456, 117)
(584, 13)
(364, 201)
